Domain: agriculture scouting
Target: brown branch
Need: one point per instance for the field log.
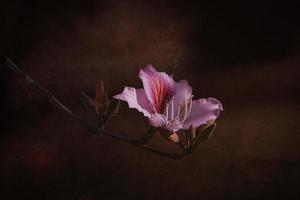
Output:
(90, 127)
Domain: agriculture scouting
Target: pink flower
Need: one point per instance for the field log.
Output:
(169, 104)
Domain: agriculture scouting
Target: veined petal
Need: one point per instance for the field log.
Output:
(181, 98)
(158, 87)
(136, 98)
(182, 91)
(203, 111)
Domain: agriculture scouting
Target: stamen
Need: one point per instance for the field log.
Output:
(167, 111)
(172, 108)
(185, 106)
(190, 104)
(178, 111)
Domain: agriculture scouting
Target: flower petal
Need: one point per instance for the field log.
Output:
(174, 125)
(203, 111)
(158, 86)
(183, 91)
(180, 102)
(182, 95)
(158, 120)
(136, 98)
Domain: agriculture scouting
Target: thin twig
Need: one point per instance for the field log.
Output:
(90, 127)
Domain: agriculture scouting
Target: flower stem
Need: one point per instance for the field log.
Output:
(90, 127)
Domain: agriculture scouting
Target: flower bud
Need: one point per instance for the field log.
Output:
(101, 97)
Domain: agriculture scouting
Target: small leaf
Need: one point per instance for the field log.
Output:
(116, 108)
(87, 101)
(106, 107)
(190, 134)
(204, 135)
(113, 108)
(204, 127)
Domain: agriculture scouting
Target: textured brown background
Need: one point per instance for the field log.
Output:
(246, 55)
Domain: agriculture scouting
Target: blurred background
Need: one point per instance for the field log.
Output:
(244, 54)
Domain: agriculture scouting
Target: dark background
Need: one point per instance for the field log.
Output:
(245, 54)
